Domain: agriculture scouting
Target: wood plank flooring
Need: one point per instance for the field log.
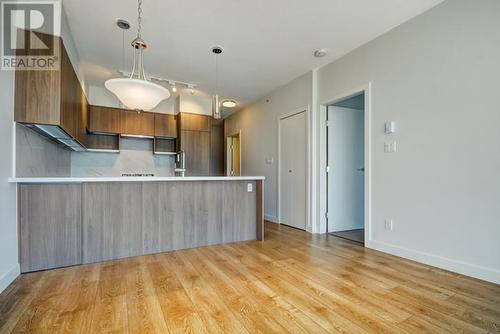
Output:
(293, 282)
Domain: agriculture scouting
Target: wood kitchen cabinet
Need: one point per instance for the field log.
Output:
(165, 126)
(49, 226)
(195, 122)
(196, 144)
(105, 119)
(195, 139)
(137, 123)
(52, 98)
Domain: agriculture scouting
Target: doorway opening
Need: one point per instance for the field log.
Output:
(234, 155)
(346, 168)
(292, 170)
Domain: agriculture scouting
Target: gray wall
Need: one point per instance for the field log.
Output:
(136, 156)
(437, 76)
(259, 134)
(9, 265)
(39, 156)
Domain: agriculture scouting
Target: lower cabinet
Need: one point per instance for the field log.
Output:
(49, 226)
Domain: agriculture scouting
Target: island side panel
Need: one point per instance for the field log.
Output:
(112, 220)
(136, 218)
(49, 226)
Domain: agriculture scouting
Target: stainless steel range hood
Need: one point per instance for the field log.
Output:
(59, 135)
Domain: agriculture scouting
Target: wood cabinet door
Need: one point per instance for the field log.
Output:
(196, 144)
(49, 226)
(195, 122)
(104, 119)
(37, 93)
(165, 125)
(70, 98)
(137, 123)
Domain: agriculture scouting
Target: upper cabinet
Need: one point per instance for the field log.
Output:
(135, 123)
(53, 102)
(165, 126)
(195, 122)
(107, 120)
(104, 120)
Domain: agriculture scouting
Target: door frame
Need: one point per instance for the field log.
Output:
(307, 111)
(366, 90)
(228, 171)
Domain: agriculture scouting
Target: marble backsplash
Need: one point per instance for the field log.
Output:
(136, 156)
(37, 156)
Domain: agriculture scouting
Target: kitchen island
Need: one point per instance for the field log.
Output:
(69, 221)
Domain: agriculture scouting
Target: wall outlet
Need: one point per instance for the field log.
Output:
(249, 187)
(388, 224)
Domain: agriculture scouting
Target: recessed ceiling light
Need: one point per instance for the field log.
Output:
(229, 103)
(320, 53)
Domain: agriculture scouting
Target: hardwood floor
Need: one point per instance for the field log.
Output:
(293, 282)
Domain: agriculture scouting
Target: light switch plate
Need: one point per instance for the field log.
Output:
(249, 187)
(389, 127)
(390, 147)
(388, 224)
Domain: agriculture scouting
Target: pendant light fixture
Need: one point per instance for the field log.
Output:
(217, 50)
(137, 92)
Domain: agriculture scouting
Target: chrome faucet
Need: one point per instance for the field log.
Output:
(180, 163)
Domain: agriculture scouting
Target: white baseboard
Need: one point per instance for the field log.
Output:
(271, 219)
(9, 277)
(468, 269)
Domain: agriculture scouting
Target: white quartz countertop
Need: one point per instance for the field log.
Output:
(131, 179)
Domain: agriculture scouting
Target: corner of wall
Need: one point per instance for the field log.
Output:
(8, 277)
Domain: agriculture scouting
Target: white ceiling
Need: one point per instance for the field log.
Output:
(267, 43)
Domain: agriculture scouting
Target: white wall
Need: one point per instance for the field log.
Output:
(9, 265)
(259, 134)
(437, 77)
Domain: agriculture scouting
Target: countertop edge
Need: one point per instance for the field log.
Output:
(131, 179)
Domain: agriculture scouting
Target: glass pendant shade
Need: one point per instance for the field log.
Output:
(136, 93)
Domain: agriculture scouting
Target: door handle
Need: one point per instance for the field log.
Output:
(362, 169)
(290, 171)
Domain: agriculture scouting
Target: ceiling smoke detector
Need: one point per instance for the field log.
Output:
(217, 50)
(320, 53)
(123, 24)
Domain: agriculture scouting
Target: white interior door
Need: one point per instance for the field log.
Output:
(293, 161)
(346, 162)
